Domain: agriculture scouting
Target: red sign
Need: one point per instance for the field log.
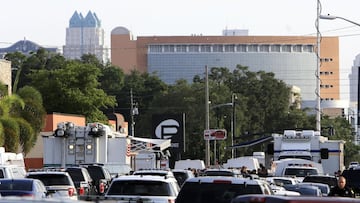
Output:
(215, 134)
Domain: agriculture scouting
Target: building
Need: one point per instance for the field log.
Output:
(5, 74)
(26, 47)
(85, 36)
(293, 59)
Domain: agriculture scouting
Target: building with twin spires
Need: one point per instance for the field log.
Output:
(85, 36)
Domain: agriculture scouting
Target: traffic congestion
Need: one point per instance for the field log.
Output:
(136, 172)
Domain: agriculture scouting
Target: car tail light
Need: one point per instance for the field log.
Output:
(71, 191)
(222, 181)
(171, 201)
(28, 195)
(81, 191)
(101, 188)
(257, 199)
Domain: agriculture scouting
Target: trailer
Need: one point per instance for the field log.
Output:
(71, 145)
(310, 145)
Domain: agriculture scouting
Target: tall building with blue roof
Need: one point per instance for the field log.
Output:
(85, 36)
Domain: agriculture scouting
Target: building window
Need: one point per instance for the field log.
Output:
(218, 48)
(308, 48)
(205, 48)
(181, 48)
(252, 48)
(297, 48)
(264, 48)
(275, 48)
(194, 48)
(155, 48)
(241, 48)
(169, 48)
(326, 59)
(286, 48)
(229, 48)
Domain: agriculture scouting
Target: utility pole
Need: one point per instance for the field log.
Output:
(233, 126)
(133, 111)
(207, 119)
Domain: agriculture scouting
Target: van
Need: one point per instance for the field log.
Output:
(12, 171)
(188, 163)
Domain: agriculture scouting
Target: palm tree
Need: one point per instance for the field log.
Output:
(22, 117)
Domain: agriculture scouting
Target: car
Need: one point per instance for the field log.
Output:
(100, 175)
(181, 175)
(327, 179)
(280, 181)
(258, 198)
(117, 170)
(57, 182)
(221, 172)
(157, 172)
(304, 190)
(142, 188)
(23, 187)
(324, 188)
(154, 171)
(83, 182)
(213, 189)
(353, 164)
(279, 190)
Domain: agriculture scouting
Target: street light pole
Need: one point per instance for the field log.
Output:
(318, 96)
(331, 17)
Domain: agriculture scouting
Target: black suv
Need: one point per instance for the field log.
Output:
(327, 179)
(100, 176)
(83, 182)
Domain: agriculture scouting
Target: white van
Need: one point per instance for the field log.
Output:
(250, 162)
(189, 163)
(12, 171)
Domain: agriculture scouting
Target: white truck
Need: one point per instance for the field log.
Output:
(309, 145)
(72, 145)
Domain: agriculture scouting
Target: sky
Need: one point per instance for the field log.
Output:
(45, 21)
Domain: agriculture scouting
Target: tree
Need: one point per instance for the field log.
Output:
(33, 117)
(73, 89)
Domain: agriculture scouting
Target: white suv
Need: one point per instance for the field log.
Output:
(211, 189)
(58, 183)
(142, 188)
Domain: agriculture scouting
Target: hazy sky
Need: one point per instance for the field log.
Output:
(45, 21)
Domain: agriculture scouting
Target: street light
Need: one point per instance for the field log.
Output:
(331, 17)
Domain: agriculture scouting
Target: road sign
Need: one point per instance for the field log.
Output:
(215, 134)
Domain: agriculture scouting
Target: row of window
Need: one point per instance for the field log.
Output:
(326, 86)
(231, 48)
(326, 73)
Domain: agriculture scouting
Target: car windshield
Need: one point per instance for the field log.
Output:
(51, 179)
(138, 187)
(300, 172)
(16, 185)
(215, 193)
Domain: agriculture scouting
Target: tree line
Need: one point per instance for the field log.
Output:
(45, 82)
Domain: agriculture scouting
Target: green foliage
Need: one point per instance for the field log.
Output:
(11, 134)
(73, 89)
